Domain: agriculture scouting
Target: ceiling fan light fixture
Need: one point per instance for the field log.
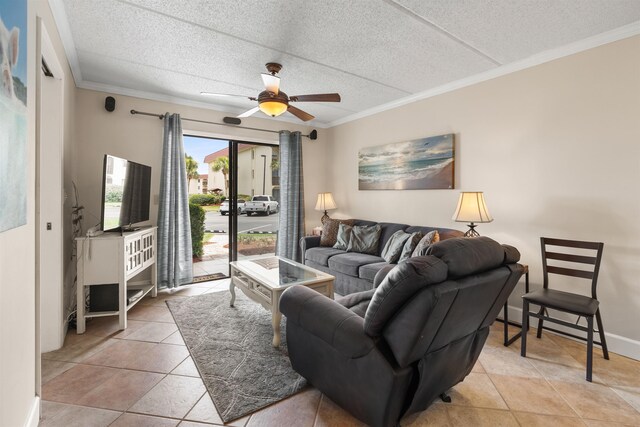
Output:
(273, 108)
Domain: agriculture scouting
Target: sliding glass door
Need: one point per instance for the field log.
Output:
(255, 199)
(207, 163)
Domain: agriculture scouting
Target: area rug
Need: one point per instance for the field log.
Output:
(231, 347)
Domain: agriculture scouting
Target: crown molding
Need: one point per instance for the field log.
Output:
(60, 18)
(620, 33)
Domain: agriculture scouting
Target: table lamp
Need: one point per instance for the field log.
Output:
(471, 208)
(324, 203)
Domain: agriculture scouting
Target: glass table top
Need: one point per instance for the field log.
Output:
(280, 272)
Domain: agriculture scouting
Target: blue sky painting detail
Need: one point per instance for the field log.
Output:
(13, 114)
(421, 164)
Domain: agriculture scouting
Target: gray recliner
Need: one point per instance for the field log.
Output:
(391, 351)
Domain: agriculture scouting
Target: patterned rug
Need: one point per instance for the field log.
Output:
(232, 350)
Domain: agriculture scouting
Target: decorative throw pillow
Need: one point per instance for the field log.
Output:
(429, 239)
(364, 239)
(330, 230)
(343, 237)
(410, 246)
(393, 248)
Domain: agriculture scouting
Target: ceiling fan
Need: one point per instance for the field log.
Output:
(273, 102)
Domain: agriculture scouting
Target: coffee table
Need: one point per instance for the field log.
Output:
(264, 279)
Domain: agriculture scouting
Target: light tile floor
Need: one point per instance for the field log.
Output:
(143, 376)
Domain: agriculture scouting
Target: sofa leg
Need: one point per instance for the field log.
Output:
(445, 398)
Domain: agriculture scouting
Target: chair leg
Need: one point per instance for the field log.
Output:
(525, 328)
(540, 312)
(589, 347)
(605, 350)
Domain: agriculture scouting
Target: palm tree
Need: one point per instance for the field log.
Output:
(192, 169)
(221, 164)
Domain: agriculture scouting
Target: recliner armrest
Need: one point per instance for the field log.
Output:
(326, 319)
(308, 242)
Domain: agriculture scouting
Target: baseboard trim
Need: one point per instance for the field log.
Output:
(617, 344)
(34, 413)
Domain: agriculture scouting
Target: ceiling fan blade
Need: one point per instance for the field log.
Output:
(249, 113)
(226, 95)
(321, 97)
(271, 83)
(302, 115)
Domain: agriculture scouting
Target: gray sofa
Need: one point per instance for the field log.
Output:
(355, 272)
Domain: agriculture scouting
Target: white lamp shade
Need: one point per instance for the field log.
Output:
(472, 208)
(325, 202)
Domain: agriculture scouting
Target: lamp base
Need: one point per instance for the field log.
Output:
(324, 218)
(471, 232)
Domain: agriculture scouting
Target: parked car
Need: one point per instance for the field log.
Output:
(224, 207)
(261, 204)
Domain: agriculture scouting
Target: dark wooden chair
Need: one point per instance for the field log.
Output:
(577, 304)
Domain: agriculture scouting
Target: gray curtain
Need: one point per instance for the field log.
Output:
(291, 227)
(175, 263)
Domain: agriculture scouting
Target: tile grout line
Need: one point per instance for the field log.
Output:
(315, 418)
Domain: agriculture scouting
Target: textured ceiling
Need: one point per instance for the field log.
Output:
(372, 52)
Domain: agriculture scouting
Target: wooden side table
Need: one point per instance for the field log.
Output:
(508, 341)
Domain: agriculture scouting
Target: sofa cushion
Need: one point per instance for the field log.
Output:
(349, 263)
(343, 237)
(364, 239)
(429, 239)
(330, 230)
(466, 256)
(393, 248)
(399, 285)
(445, 233)
(410, 245)
(369, 271)
(321, 255)
(388, 228)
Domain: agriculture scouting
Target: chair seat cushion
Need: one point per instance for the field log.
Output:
(321, 255)
(369, 271)
(565, 301)
(349, 263)
(357, 302)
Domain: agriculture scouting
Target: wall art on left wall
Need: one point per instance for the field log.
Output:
(13, 114)
(421, 164)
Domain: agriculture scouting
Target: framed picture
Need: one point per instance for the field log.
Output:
(13, 114)
(421, 164)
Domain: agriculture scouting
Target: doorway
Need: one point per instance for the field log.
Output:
(224, 175)
(255, 197)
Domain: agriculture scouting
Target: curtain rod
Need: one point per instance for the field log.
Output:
(312, 135)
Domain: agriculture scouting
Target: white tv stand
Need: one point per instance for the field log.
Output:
(115, 258)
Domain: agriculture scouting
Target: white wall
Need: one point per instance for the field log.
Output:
(139, 138)
(18, 361)
(556, 150)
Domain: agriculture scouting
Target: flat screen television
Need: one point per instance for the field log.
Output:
(126, 190)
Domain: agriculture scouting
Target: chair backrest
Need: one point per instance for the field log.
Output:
(426, 303)
(590, 255)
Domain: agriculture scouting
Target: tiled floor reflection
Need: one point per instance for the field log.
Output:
(144, 376)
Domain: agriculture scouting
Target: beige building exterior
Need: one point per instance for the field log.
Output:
(200, 185)
(255, 172)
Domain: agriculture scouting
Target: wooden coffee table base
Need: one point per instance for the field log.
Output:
(269, 297)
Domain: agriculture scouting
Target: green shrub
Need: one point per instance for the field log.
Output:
(204, 199)
(197, 229)
(113, 194)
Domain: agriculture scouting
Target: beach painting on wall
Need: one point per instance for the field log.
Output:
(421, 164)
(13, 114)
